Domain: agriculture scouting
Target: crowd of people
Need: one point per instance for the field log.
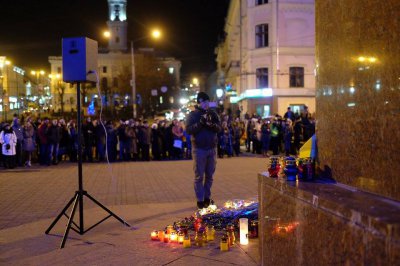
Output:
(46, 141)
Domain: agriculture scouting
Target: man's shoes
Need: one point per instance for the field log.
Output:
(206, 203)
(200, 205)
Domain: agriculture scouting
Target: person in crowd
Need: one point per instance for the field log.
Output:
(16, 126)
(73, 141)
(177, 133)
(64, 142)
(305, 122)
(88, 139)
(163, 147)
(155, 142)
(287, 137)
(289, 114)
(203, 124)
(169, 141)
(275, 137)
(28, 144)
(144, 141)
(44, 156)
(112, 140)
(187, 144)
(100, 140)
(123, 140)
(237, 135)
(131, 133)
(297, 127)
(54, 138)
(8, 141)
(226, 141)
(265, 137)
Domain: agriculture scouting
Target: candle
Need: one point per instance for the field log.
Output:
(254, 229)
(244, 231)
(199, 238)
(166, 237)
(161, 235)
(181, 236)
(231, 234)
(154, 235)
(169, 229)
(210, 233)
(224, 245)
(173, 237)
(186, 241)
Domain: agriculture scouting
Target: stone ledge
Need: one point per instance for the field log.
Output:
(378, 215)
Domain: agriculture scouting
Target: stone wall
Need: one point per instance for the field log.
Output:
(358, 93)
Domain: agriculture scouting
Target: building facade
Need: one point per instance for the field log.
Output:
(266, 62)
(115, 71)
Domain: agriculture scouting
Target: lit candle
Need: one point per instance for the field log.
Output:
(161, 235)
(154, 235)
(173, 237)
(169, 229)
(186, 241)
(166, 237)
(224, 245)
(244, 231)
(181, 236)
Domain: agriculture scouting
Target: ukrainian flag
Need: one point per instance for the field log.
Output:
(309, 149)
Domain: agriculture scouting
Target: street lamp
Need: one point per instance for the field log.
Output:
(155, 34)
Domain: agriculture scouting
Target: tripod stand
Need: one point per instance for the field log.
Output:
(77, 199)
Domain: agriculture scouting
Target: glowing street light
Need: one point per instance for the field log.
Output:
(107, 34)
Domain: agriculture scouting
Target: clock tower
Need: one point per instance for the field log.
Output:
(117, 25)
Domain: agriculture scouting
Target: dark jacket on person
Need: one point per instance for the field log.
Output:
(54, 134)
(204, 137)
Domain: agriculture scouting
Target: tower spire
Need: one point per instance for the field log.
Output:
(117, 25)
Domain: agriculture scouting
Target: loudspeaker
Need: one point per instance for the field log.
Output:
(79, 57)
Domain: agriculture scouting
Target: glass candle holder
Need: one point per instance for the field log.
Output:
(166, 237)
(181, 236)
(154, 235)
(224, 245)
(173, 237)
(244, 231)
(169, 229)
(161, 235)
(186, 241)
(210, 233)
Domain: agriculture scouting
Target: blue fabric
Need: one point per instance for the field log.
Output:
(205, 162)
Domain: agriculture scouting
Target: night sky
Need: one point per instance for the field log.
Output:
(31, 30)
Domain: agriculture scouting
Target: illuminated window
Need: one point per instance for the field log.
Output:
(263, 110)
(171, 70)
(262, 78)
(261, 35)
(261, 2)
(296, 77)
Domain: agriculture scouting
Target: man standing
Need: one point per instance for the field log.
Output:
(203, 124)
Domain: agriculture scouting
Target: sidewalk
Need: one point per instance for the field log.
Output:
(148, 195)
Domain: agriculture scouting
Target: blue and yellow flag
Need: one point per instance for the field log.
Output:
(309, 149)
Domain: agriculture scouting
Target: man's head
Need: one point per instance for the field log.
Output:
(203, 99)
